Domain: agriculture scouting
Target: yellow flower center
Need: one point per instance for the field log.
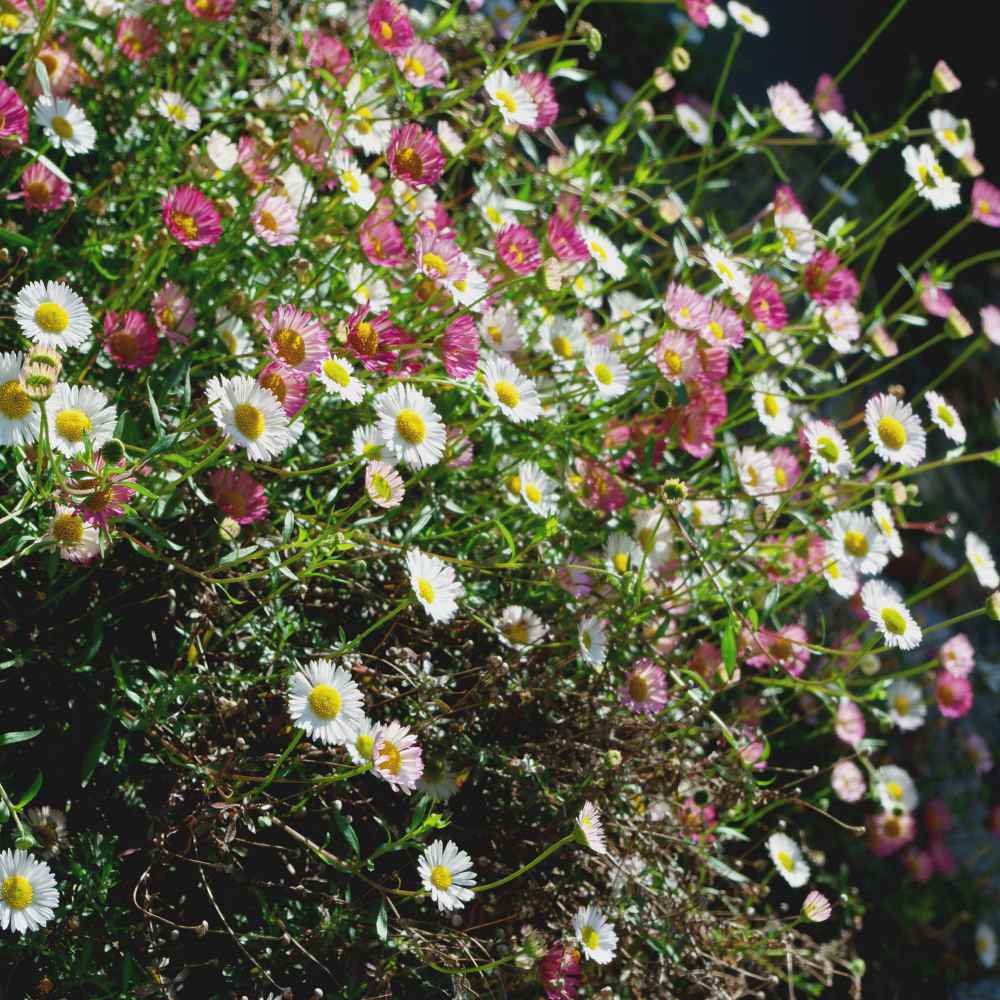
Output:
(177, 112)
(507, 394)
(507, 100)
(603, 374)
(234, 501)
(780, 476)
(385, 30)
(9, 22)
(379, 485)
(563, 346)
(771, 405)
(290, 346)
(425, 590)
(336, 372)
(598, 250)
(533, 493)
(590, 938)
(638, 688)
(185, 223)
(389, 758)
(827, 448)
(945, 415)
(984, 206)
(620, 559)
(441, 878)
(893, 621)
(517, 632)
(856, 543)
(124, 345)
(62, 127)
(67, 529)
(52, 317)
(902, 704)
(325, 701)
(249, 420)
(892, 433)
(895, 790)
(72, 424)
(412, 64)
(411, 426)
(674, 361)
(17, 892)
(14, 401)
(436, 264)
(786, 860)
(268, 221)
(276, 384)
(716, 329)
(38, 191)
(364, 745)
(514, 484)
(410, 162)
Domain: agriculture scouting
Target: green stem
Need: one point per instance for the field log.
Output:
(551, 849)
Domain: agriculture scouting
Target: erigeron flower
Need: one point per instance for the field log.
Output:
(895, 789)
(77, 414)
(887, 525)
(65, 125)
(221, 151)
(250, 415)
(989, 317)
(446, 873)
(677, 356)
(324, 701)
(986, 945)
(788, 859)
(772, 405)
(434, 583)
(274, 220)
(384, 485)
(51, 314)
(890, 615)
(397, 757)
(439, 782)
(894, 430)
(191, 218)
(410, 425)
(954, 134)
(945, 417)
(592, 636)
(414, 156)
(841, 577)
(849, 722)
(728, 271)
(368, 125)
(654, 536)
(755, 471)
(621, 553)
(846, 135)
(750, 20)
(520, 626)
(289, 387)
(645, 688)
(515, 394)
(796, 234)
(693, 124)
(603, 252)
(354, 182)
(389, 26)
(510, 98)
(816, 907)
(828, 449)
(564, 339)
(28, 894)
(954, 695)
(43, 190)
(986, 203)
(906, 706)
(790, 109)
(596, 935)
(611, 377)
(422, 65)
(72, 537)
(238, 495)
(958, 656)
(847, 781)
(857, 541)
(367, 442)
(981, 559)
(178, 111)
(337, 374)
(20, 418)
(844, 324)
(536, 489)
(173, 313)
(930, 179)
(589, 830)
(498, 329)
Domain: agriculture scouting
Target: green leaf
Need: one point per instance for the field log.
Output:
(729, 648)
(22, 736)
(96, 748)
(153, 408)
(725, 871)
(382, 923)
(36, 787)
(444, 22)
(347, 830)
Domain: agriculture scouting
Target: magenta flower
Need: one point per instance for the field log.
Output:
(986, 203)
(129, 339)
(888, 832)
(698, 821)
(460, 347)
(251, 160)
(374, 343)
(766, 304)
(697, 10)
(935, 301)
(297, 339)
(565, 239)
(137, 39)
(173, 313)
(543, 94)
(210, 10)
(422, 65)
(645, 689)
(13, 119)
(705, 412)
(191, 218)
(389, 26)
(827, 282)
(827, 97)
(43, 190)
(438, 256)
(518, 248)
(954, 695)
(311, 143)
(288, 385)
(785, 648)
(559, 973)
(329, 52)
(101, 493)
(919, 864)
(849, 724)
(785, 200)
(414, 156)
(957, 655)
(238, 495)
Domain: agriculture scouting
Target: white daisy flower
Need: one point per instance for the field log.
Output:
(895, 789)
(886, 524)
(515, 394)
(368, 124)
(434, 583)
(471, 291)
(828, 449)
(238, 342)
(250, 415)
(537, 489)
(78, 413)
(932, 183)
(52, 315)
(611, 377)
(945, 417)
(178, 111)
(361, 746)
(446, 873)
(693, 124)
(520, 626)
(755, 471)
(593, 640)
(796, 234)
(20, 419)
(498, 329)
(337, 375)
(221, 151)
(895, 431)
(844, 325)
(753, 22)
(772, 405)
(788, 859)
(324, 701)
(728, 271)
(846, 136)
(954, 134)
(890, 615)
(986, 945)
(905, 700)
(367, 289)
(493, 206)
(979, 556)
(398, 757)
(438, 781)
(842, 578)
(510, 98)
(72, 537)
(354, 182)
(28, 894)
(621, 552)
(565, 340)
(602, 251)
(410, 425)
(857, 541)
(654, 536)
(596, 935)
(367, 442)
(589, 829)
(65, 125)
(790, 109)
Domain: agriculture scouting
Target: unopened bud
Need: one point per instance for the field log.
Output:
(645, 111)
(113, 451)
(884, 344)
(663, 79)
(614, 758)
(943, 80)
(993, 606)
(898, 494)
(957, 326)
(25, 842)
(591, 35)
(669, 210)
(970, 166)
(229, 529)
(673, 490)
(39, 381)
(680, 59)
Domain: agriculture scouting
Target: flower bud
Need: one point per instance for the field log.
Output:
(993, 606)
(680, 59)
(229, 530)
(39, 381)
(113, 451)
(943, 80)
(663, 79)
(884, 344)
(898, 494)
(970, 166)
(591, 35)
(957, 326)
(25, 842)
(669, 210)
(673, 490)
(614, 758)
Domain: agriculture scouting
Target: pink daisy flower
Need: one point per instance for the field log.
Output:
(252, 160)
(381, 239)
(847, 781)
(459, 445)
(677, 356)
(13, 119)
(705, 412)
(938, 817)
(460, 347)
(565, 239)
(137, 39)
(958, 656)
(372, 342)
(935, 301)
(827, 97)
(191, 218)
(102, 497)
(43, 190)
(989, 316)
(389, 26)
(543, 94)
(785, 648)
(979, 753)
(887, 832)
(919, 864)
(288, 385)
(384, 485)
(849, 724)
(518, 248)
(787, 469)
(297, 339)
(714, 362)
(785, 200)
(329, 52)
(238, 495)
(697, 10)
(645, 689)
(397, 757)
(685, 307)
(129, 339)
(311, 143)
(422, 65)
(58, 57)
(173, 313)
(598, 489)
(954, 695)
(723, 326)
(210, 10)
(559, 973)
(439, 257)
(414, 156)
(698, 821)
(766, 304)
(827, 282)
(986, 203)
(274, 220)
